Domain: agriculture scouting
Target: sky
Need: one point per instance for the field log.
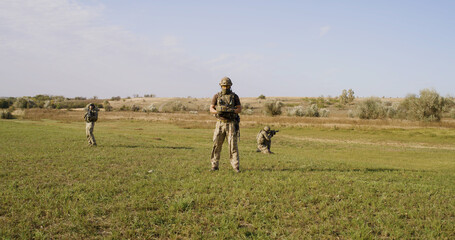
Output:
(179, 48)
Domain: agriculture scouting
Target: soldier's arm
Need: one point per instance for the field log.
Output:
(212, 109)
(238, 109)
(266, 136)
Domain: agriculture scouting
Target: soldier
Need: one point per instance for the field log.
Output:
(264, 139)
(91, 116)
(226, 107)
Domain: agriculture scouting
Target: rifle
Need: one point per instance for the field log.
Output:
(273, 132)
(229, 113)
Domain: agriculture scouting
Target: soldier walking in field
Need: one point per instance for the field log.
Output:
(91, 116)
(264, 140)
(226, 107)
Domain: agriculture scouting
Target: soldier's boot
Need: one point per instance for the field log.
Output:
(214, 169)
(236, 170)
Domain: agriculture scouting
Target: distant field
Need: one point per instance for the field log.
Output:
(149, 179)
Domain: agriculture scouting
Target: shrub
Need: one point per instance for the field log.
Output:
(7, 115)
(248, 111)
(312, 111)
(350, 96)
(261, 96)
(324, 112)
(6, 102)
(124, 108)
(206, 108)
(107, 106)
(135, 108)
(452, 113)
(370, 108)
(347, 96)
(174, 106)
(391, 111)
(273, 108)
(320, 101)
(247, 106)
(298, 111)
(150, 108)
(351, 114)
(344, 97)
(24, 102)
(426, 107)
(116, 98)
(149, 95)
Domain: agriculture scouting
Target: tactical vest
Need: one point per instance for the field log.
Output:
(91, 116)
(227, 100)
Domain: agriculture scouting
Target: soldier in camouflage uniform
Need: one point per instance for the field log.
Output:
(91, 116)
(264, 139)
(226, 107)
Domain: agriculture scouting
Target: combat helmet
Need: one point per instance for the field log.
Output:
(266, 128)
(225, 82)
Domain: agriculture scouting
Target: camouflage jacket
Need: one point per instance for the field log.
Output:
(263, 137)
(91, 115)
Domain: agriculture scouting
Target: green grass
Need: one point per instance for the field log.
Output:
(151, 180)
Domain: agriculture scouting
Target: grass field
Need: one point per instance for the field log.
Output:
(150, 179)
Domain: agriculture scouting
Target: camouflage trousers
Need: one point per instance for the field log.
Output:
(225, 130)
(264, 147)
(89, 126)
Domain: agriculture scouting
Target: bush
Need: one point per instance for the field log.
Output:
(261, 96)
(312, 111)
(150, 108)
(426, 107)
(24, 102)
(320, 101)
(174, 106)
(452, 113)
(124, 108)
(247, 106)
(347, 96)
(273, 108)
(7, 115)
(116, 98)
(298, 111)
(107, 106)
(324, 112)
(135, 108)
(391, 111)
(248, 111)
(6, 102)
(370, 108)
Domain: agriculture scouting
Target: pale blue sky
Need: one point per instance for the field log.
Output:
(183, 48)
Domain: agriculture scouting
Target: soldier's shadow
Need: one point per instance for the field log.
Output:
(173, 147)
(322, 169)
(129, 146)
(150, 146)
